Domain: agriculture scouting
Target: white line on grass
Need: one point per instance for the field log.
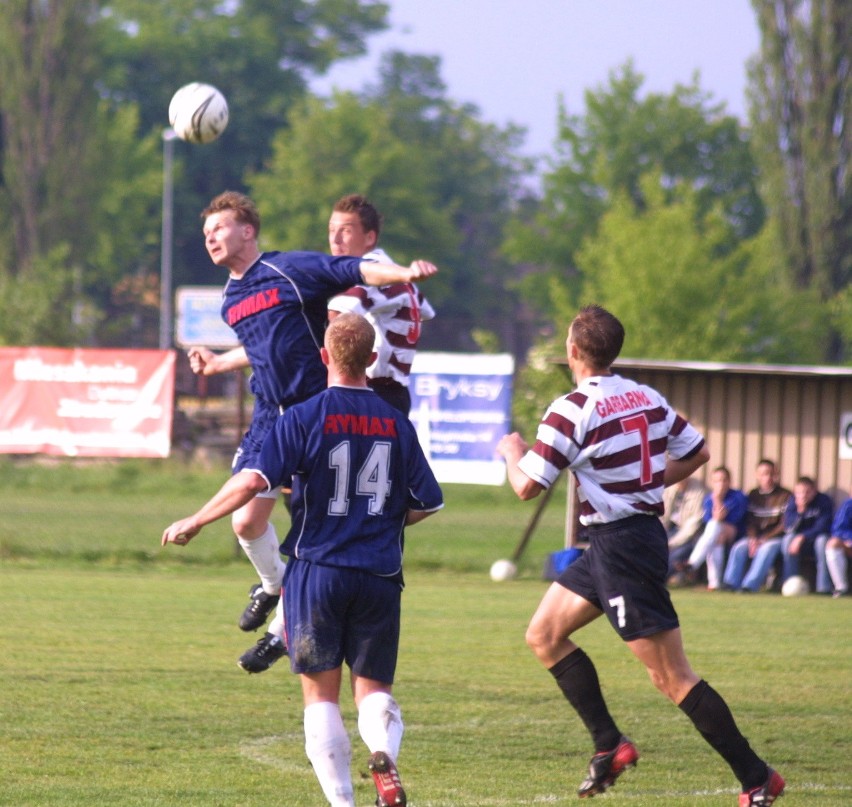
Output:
(260, 750)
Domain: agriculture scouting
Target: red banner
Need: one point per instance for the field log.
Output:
(86, 403)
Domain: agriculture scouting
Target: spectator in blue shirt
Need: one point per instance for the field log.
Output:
(808, 517)
(835, 552)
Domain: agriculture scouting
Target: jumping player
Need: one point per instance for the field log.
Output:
(276, 304)
(395, 311)
(624, 444)
(368, 478)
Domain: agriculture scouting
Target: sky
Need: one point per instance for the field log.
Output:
(513, 58)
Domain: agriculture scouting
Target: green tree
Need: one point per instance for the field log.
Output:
(801, 91)
(682, 136)
(683, 293)
(47, 100)
(80, 187)
(260, 54)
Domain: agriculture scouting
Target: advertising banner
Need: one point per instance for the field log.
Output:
(199, 318)
(77, 402)
(461, 405)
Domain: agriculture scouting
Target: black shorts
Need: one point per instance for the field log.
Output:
(623, 573)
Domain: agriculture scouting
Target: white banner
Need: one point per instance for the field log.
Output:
(461, 405)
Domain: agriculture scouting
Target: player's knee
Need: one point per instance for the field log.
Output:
(246, 527)
(539, 639)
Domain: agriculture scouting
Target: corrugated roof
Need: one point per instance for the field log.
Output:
(728, 367)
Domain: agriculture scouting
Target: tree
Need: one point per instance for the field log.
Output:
(443, 179)
(683, 293)
(47, 100)
(682, 137)
(80, 187)
(801, 92)
(260, 54)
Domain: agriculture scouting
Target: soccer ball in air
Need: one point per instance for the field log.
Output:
(503, 570)
(795, 586)
(198, 113)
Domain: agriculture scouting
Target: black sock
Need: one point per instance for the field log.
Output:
(711, 716)
(578, 680)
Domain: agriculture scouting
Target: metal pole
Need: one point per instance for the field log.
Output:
(166, 315)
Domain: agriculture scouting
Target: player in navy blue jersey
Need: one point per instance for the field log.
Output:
(624, 444)
(395, 312)
(276, 304)
(359, 477)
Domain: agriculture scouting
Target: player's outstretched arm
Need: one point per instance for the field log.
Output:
(382, 274)
(237, 491)
(204, 361)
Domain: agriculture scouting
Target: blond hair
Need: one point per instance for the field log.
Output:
(349, 341)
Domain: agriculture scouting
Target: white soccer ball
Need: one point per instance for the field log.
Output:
(795, 586)
(198, 113)
(503, 570)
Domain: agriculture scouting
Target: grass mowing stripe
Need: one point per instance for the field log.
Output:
(120, 688)
(119, 684)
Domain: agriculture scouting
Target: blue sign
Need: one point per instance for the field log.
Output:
(461, 406)
(199, 318)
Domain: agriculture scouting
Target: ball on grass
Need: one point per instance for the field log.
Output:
(503, 570)
(795, 586)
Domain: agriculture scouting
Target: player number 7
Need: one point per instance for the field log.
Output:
(639, 424)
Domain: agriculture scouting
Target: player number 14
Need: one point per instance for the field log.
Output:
(372, 480)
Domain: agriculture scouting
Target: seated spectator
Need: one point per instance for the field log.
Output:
(834, 552)
(808, 517)
(752, 558)
(683, 518)
(724, 521)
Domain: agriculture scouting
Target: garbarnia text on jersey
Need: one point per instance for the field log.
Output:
(360, 424)
(623, 403)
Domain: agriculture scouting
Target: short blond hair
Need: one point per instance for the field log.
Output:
(349, 341)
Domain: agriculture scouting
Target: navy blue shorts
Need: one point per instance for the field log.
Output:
(336, 615)
(263, 419)
(623, 573)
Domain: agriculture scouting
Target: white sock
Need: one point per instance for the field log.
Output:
(715, 566)
(380, 723)
(276, 627)
(835, 559)
(264, 554)
(328, 748)
(705, 544)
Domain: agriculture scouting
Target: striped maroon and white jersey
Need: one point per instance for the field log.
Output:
(614, 435)
(396, 312)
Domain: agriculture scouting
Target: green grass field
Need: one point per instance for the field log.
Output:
(118, 682)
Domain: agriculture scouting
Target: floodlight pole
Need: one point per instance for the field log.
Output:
(166, 314)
